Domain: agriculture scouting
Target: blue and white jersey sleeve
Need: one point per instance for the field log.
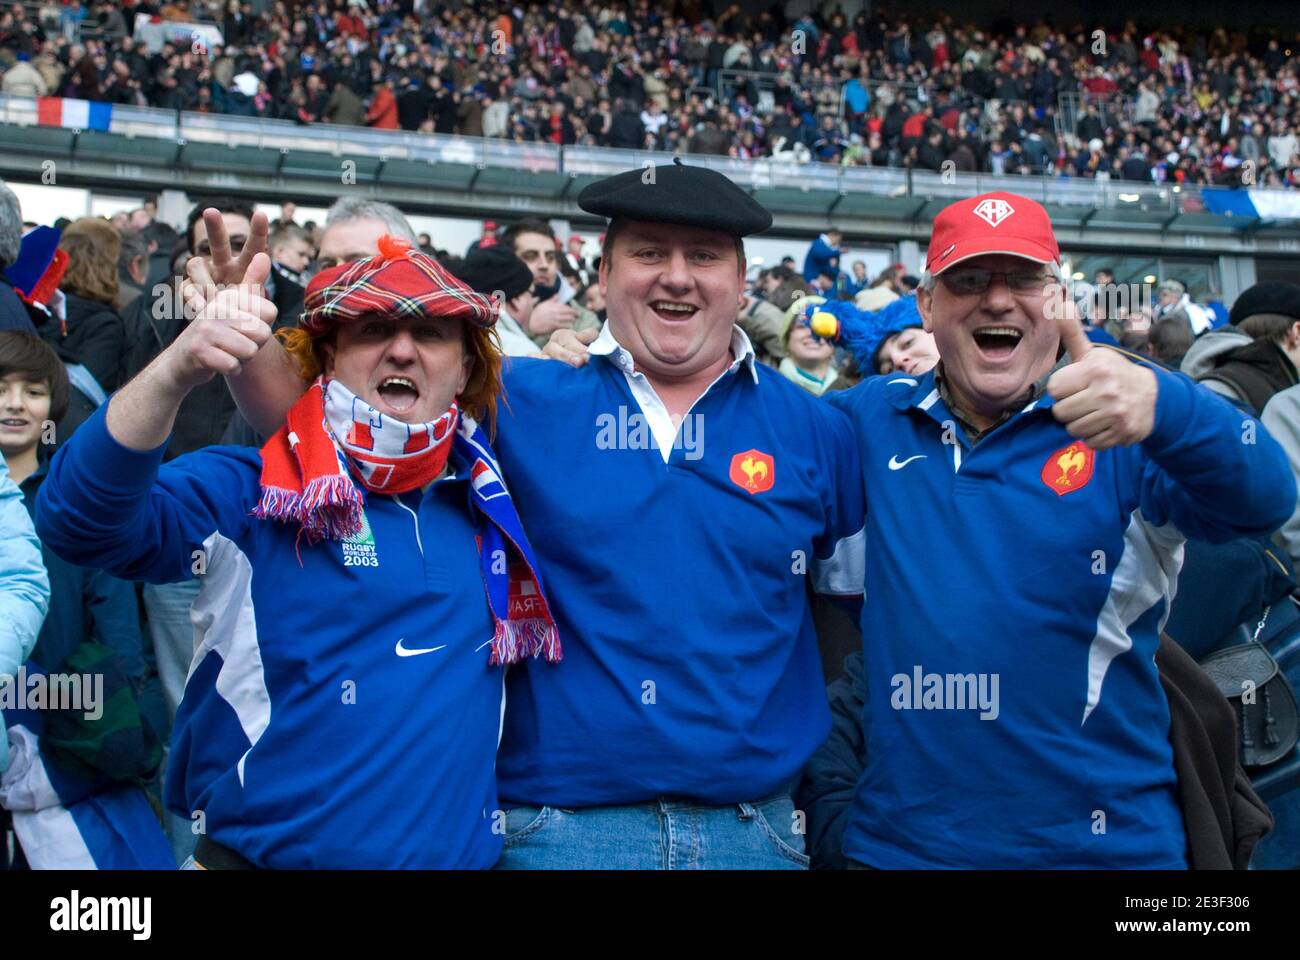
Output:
(106, 506)
(839, 567)
(1210, 470)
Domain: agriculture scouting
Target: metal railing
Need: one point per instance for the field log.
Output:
(759, 173)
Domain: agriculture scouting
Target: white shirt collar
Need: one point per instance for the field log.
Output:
(606, 346)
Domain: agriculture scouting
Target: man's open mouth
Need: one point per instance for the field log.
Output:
(399, 393)
(672, 310)
(997, 343)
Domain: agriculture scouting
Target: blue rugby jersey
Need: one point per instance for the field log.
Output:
(340, 710)
(691, 665)
(1030, 559)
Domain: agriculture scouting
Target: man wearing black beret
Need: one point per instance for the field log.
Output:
(711, 491)
(681, 497)
(496, 271)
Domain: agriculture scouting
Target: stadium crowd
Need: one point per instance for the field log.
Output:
(1164, 105)
(118, 307)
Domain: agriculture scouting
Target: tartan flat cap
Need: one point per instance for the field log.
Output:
(398, 281)
(677, 193)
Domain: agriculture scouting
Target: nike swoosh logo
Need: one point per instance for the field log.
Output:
(408, 652)
(895, 465)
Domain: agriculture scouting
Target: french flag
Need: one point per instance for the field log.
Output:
(485, 480)
(1252, 203)
(73, 114)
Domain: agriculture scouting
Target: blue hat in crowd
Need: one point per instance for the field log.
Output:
(864, 332)
(891, 319)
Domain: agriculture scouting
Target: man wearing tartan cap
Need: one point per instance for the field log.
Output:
(364, 577)
(399, 282)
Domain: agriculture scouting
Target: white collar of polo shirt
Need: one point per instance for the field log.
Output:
(606, 345)
(652, 407)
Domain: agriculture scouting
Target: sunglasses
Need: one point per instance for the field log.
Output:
(968, 281)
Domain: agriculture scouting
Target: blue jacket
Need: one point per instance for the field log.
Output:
(340, 710)
(856, 96)
(24, 586)
(1100, 335)
(1015, 593)
(69, 817)
(821, 257)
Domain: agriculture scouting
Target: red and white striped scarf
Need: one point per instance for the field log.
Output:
(332, 436)
(307, 478)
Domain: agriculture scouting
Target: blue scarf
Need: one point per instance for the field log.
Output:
(524, 625)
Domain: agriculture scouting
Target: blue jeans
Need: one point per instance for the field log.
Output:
(663, 834)
(172, 633)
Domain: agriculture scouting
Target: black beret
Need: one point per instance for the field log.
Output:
(488, 269)
(680, 194)
(1268, 296)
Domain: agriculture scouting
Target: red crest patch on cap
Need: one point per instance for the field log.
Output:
(1069, 468)
(991, 223)
(993, 211)
(753, 471)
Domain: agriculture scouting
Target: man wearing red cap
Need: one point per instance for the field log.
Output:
(1028, 501)
(364, 576)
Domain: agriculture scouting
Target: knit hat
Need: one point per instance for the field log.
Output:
(894, 318)
(863, 332)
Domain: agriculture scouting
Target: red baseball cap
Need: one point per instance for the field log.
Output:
(1004, 223)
